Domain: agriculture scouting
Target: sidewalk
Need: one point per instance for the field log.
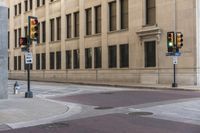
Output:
(142, 86)
(16, 111)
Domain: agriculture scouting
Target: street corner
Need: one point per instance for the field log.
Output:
(21, 112)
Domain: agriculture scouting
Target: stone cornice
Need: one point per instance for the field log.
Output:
(149, 32)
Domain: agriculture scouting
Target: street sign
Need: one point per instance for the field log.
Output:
(29, 58)
(173, 54)
(24, 49)
(175, 60)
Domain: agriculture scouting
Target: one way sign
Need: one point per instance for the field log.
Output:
(29, 58)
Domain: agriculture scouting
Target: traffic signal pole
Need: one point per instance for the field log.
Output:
(28, 94)
(174, 84)
(33, 36)
(174, 44)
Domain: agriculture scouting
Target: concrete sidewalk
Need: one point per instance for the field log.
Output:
(141, 86)
(16, 111)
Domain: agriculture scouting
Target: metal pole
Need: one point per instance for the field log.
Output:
(28, 94)
(174, 84)
(28, 74)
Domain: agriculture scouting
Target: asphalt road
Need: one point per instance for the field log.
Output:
(139, 111)
(127, 98)
(115, 123)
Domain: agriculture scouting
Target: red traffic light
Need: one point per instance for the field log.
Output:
(22, 41)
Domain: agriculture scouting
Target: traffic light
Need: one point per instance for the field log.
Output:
(23, 42)
(179, 40)
(33, 28)
(170, 41)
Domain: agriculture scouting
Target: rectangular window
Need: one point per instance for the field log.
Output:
(52, 29)
(43, 32)
(88, 21)
(19, 62)
(76, 24)
(15, 62)
(124, 55)
(113, 16)
(20, 8)
(58, 60)
(76, 59)
(112, 59)
(69, 26)
(19, 35)
(38, 3)
(31, 4)
(38, 40)
(52, 60)
(97, 57)
(31, 66)
(43, 61)
(26, 31)
(26, 5)
(68, 59)
(37, 61)
(150, 12)
(98, 19)
(15, 38)
(43, 2)
(8, 40)
(15, 10)
(58, 28)
(88, 58)
(150, 54)
(124, 14)
(25, 65)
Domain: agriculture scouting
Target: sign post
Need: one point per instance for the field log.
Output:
(175, 61)
(28, 56)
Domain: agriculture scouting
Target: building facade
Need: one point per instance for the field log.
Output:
(105, 40)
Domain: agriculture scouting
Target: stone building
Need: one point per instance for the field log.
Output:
(106, 40)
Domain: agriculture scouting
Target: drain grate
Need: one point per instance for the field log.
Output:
(103, 107)
(55, 125)
(106, 93)
(140, 113)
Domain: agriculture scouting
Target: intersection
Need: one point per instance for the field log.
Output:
(62, 107)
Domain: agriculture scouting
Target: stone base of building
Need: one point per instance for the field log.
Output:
(164, 76)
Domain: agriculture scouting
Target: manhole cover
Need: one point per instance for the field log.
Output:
(140, 113)
(103, 108)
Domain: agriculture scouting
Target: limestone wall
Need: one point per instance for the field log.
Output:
(3, 51)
